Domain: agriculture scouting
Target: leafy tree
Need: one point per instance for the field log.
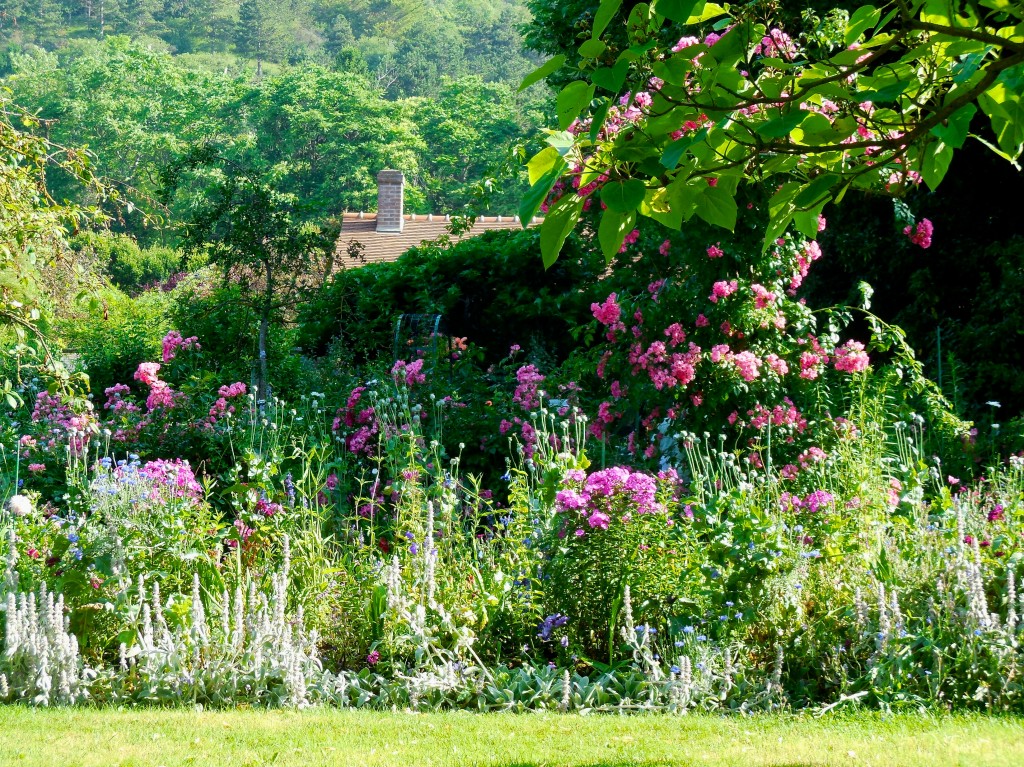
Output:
(260, 32)
(262, 238)
(873, 100)
(32, 230)
(468, 130)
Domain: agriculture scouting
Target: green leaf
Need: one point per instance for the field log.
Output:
(611, 78)
(709, 11)
(548, 67)
(812, 193)
(592, 48)
(572, 100)
(782, 125)
(937, 158)
(605, 13)
(558, 223)
(716, 206)
(623, 196)
(598, 119)
(674, 152)
(537, 192)
(542, 162)
(864, 17)
(612, 231)
(679, 10)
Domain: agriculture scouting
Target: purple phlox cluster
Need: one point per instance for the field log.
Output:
(819, 500)
(409, 373)
(528, 379)
(175, 477)
(616, 490)
(173, 342)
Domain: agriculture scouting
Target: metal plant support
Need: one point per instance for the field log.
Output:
(423, 336)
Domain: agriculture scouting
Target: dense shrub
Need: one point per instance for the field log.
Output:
(128, 266)
(490, 290)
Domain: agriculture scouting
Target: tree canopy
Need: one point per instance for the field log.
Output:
(675, 103)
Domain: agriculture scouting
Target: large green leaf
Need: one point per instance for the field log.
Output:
(592, 48)
(542, 162)
(612, 231)
(716, 206)
(782, 125)
(611, 78)
(623, 196)
(558, 223)
(937, 157)
(535, 195)
(679, 10)
(572, 100)
(862, 19)
(605, 12)
(548, 67)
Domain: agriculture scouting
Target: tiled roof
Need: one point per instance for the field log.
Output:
(381, 246)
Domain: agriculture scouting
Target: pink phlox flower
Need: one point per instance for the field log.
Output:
(148, 373)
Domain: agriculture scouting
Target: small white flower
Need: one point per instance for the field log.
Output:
(19, 505)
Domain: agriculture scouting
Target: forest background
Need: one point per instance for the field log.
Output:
(319, 96)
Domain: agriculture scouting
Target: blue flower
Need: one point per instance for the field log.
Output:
(687, 629)
(674, 669)
(702, 638)
(73, 537)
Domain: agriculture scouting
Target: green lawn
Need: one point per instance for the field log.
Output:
(73, 737)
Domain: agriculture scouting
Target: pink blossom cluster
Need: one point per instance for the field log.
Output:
(116, 402)
(809, 253)
(813, 361)
(409, 373)
(921, 234)
(174, 342)
(62, 425)
(160, 393)
(609, 312)
(362, 419)
(780, 416)
(818, 500)
(722, 289)
(763, 298)
(665, 369)
(221, 406)
(851, 358)
(174, 478)
(777, 45)
(527, 393)
(617, 491)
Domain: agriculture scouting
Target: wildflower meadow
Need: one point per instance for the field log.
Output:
(627, 461)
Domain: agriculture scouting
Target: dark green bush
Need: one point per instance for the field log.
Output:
(128, 266)
(491, 290)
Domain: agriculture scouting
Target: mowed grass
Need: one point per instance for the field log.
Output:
(90, 738)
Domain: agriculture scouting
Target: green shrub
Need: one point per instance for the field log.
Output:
(128, 266)
(116, 333)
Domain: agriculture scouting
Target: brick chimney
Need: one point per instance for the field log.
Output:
(390, 193)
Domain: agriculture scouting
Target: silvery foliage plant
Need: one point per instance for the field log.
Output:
(39, 662)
